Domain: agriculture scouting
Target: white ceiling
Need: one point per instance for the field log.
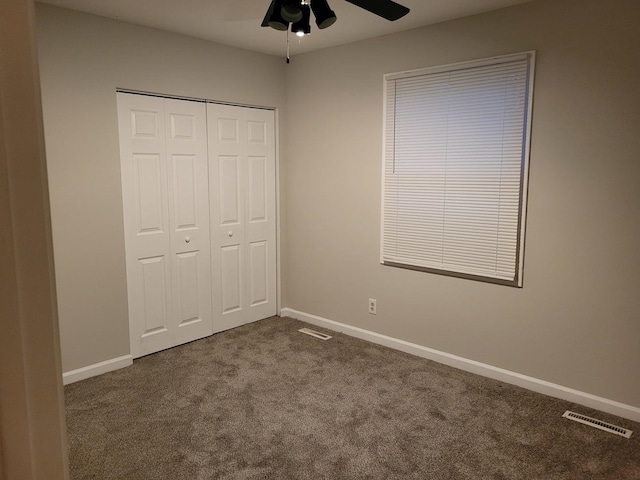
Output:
(237, 22)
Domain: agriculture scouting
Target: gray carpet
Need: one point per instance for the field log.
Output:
(266, 402)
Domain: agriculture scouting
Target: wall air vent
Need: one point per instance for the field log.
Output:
(313, 333)
(607, 427)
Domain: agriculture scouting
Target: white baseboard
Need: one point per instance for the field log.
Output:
(530, 383)
(96, 369)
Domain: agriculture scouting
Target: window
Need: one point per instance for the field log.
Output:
(455, 168)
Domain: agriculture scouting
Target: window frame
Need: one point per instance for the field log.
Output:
(529, 56)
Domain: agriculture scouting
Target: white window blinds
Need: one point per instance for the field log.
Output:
(455, 168)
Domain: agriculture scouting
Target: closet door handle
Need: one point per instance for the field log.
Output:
(187, 240)
(230, 233)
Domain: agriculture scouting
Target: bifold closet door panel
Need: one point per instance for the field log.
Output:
(188, 179)
(243, 213)
(163, 149)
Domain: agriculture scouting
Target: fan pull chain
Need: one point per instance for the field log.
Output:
(288, 59)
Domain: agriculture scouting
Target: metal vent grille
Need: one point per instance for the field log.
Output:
(607, 427)
(313, 333)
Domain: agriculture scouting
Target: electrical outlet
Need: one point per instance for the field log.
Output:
(372, 306)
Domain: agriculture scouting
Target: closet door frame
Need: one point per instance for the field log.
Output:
(278, 276)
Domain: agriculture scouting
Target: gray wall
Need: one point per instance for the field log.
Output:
(83, 59)
(576, 322)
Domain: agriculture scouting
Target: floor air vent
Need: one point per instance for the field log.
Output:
(313, 333)
(607, 427)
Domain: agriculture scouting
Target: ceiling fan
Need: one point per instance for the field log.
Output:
(281, 13)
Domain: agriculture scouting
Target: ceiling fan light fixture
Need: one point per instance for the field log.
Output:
(275, 19)
(303, 26)
(325, 17)
(291, 10)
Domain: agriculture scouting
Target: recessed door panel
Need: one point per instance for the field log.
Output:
(228, 130)
(182, 126)
(148, 179)
(258, 272)
(257, 189)
(187, 288)
(152, 271)
(231, 272)
(185, 191)
(257, 132)
(145, 124)
(229, 189)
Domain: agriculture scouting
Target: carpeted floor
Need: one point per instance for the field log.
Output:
(266, 402)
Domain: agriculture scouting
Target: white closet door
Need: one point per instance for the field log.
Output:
(243, 214)
(163, 151)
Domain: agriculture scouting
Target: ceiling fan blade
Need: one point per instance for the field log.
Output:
(383, 8)
(265, 22)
